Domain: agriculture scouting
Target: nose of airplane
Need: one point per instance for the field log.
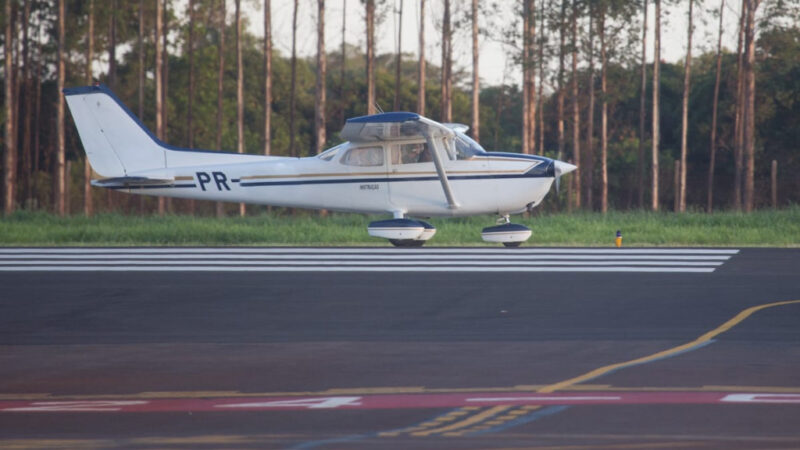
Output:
(562, 168)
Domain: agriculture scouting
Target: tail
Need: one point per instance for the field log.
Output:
(116, 142)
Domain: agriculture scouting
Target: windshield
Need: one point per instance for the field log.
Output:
(328, 154)
(466, 147)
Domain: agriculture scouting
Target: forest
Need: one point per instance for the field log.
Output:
(718, 130)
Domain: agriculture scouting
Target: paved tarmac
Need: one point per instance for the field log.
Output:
(406, 358)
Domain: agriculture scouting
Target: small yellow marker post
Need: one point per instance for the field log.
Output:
(618, 240)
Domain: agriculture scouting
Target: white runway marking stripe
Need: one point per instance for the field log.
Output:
(279, 259)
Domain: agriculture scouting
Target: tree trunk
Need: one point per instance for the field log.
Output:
(159, 88)
(28, 105)
(526, 131)
(687, 70)
(421, 68)
(588, 164)
(713, 144)
(293, 89)
(642, 113)
(165, 87)
(476, 82)
(398, 58)
(447, 64)
(739, 116)
(9, 162)
(560, 96)
(87, 168)
(112, 46)
(604, 114)
(541, 78)
(319, 113)
(576, 117)
(190, 97)
(342, 74)
(220, 206)
(656, 108)
(268, 77)
(60, 150)
(528, 78)
(239, 92)
(750, 112)
(370, 57)
(140, 49)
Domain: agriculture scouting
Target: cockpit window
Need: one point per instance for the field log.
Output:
(466, 148)
(411, 153)
(363, 156)
(330, 153)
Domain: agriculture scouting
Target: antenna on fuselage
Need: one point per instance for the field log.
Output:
(378, 107)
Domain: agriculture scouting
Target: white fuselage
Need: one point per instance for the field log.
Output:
(335, 180)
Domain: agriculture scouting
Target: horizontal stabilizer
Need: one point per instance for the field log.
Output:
(131, 182)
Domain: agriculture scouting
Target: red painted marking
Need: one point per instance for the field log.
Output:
(395, 401)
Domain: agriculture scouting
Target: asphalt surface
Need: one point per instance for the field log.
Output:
(82, 336)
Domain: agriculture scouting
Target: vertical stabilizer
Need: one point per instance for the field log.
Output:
(116, 142)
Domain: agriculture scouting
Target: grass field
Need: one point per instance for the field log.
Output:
(763, 228)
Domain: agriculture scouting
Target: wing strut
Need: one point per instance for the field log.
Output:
(434, 145)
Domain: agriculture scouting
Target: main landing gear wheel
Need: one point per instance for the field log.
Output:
(506, 233)
(402, 232)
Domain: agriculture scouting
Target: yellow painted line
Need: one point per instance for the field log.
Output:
(669, 352)
(184, 178)
(466, 422)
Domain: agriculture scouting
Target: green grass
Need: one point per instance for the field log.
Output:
(762, 228)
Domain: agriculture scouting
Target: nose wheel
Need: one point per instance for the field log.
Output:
(507, 233)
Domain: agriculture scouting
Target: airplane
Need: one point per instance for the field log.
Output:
(397, 163)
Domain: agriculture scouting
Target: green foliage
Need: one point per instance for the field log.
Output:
(762, 228)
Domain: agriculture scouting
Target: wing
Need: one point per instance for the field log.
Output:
(397, 126)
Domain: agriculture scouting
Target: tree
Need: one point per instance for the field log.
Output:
(293, 91)
(540, 96)
(589, 161)
(9, 166)
(656, 110)
(475, 122)
(398, 57)
(370, 56)
(421, 65)
(576, 117)
(748, 127)
(739, 117)
(685, 117)
(220, 207)
(713, 144)
(528, 77)
(642, 112)
(319, 104)
(268, 77)
(140, 50)
(190, 96)
(447, 62)
(604, 114)
(159, 88)
(112, 45)
(239, 91)
(560, 94)
(60, 175)
(87, 168)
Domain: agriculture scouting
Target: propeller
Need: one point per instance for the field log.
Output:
(562, 168)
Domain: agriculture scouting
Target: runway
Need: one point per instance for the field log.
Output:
(404, 358)
(363, 260)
